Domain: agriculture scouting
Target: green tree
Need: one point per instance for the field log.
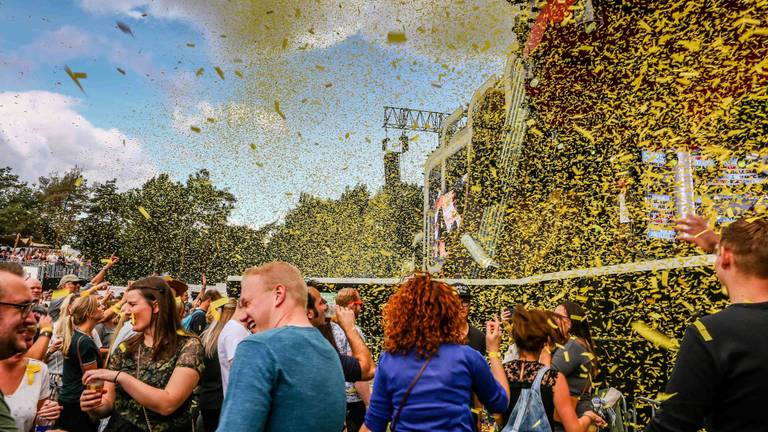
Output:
(18, 207)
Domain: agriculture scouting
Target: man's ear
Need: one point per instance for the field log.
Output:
(281, 292)
(726, 258)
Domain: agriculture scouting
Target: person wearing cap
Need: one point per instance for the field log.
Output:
(73, 282)
(475, 337)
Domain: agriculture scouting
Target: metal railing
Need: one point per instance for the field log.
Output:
(47, 269)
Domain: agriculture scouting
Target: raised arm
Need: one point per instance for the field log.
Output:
(492, 343)
(104, 270)
(346, 318)
(697, 231)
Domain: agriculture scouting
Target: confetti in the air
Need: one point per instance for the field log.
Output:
(124, 28)
(143, 212)
(76, 77)
(395, 37)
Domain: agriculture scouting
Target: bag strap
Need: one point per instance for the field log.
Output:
(536, 386)
(525, 397)
(408, 393)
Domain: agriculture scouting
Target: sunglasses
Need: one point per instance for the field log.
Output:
(24, 308)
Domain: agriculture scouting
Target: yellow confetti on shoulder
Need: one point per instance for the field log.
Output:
(143, 212)
(32, 369)
(181, 332)
(567, 356)
(79, 181)
(396, 37)
(703, 331)
(121, 347)
(664, 396)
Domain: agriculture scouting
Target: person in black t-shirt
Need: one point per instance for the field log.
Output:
(720, 380)
(475, 339)
(80, 355)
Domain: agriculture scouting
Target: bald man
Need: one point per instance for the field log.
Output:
(15, 320)
(36, 289)
(286, 376)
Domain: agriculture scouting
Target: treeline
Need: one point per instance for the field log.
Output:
(184, 228)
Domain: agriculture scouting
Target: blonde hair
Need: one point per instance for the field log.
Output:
(346, 296)
(79, 310)
(62, 323)
(211, 335)
(282, 273)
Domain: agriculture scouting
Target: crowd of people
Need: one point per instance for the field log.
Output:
(50, 256)
(276, 358)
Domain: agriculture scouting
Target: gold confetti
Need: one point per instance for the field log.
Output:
(395, 37)
(219, 72)
(76, 77)
(278, 111)
(654, 336)
(143, 212)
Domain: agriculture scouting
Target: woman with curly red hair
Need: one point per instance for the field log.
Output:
(426, 375)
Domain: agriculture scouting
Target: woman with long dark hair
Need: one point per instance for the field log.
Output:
(426, 374)
(152, 374)
(532, 331)
(575, 358)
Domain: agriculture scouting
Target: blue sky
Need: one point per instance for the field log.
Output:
(135, 125)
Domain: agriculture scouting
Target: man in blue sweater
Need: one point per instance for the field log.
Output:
(286, 376)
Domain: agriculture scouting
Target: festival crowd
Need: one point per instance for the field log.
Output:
(276, 358)
(37, 255)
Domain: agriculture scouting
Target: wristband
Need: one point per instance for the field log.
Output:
(47, 334)
(116, 376)
(494, 354)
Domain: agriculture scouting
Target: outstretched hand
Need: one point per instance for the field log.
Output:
(695, 230)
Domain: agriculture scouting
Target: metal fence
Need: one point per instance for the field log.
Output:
(46, 270)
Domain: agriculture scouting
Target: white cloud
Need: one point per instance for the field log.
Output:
(231, 118)
(59, 46)
(41, 132)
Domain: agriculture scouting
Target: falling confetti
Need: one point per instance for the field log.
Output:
(219, 72)
(395, 37)
(278, 111)
(143, 212)
(76, 77)
(124, 28)
(121, 71)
